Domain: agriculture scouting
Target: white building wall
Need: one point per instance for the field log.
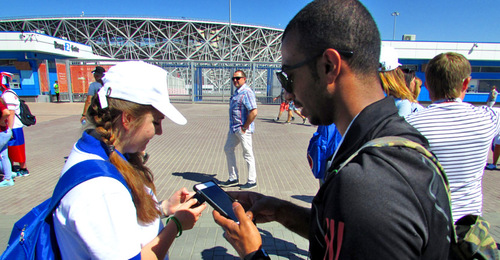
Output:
(427, 50)
(35, 42)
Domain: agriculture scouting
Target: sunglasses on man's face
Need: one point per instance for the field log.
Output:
(287, 83)
(237, 78)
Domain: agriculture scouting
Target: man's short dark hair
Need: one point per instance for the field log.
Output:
(445, 75)
(342, 25)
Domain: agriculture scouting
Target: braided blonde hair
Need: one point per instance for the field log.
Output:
(107, 121)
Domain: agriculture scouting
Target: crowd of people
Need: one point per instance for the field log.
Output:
(287, 105)
(383, 203)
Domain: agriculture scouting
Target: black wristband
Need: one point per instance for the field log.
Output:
(257, 255)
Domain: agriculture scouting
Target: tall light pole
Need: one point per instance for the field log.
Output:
(395, 14)
(230, 35)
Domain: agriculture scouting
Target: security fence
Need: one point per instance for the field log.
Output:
(188, 81)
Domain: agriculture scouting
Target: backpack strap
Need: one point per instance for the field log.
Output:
(82, 172)
(9, 90)
(13, 92)
(388, 141)
(397, 141)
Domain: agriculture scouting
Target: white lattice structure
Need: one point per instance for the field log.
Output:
(160, 39)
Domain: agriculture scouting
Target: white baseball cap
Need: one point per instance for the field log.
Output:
(141, 83)
(4, 81)
(388, 58)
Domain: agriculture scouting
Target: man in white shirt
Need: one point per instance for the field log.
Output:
(459, 133)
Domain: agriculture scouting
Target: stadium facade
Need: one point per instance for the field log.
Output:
(200, 55)
(159, 39)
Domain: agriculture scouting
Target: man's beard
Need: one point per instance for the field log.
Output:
(317, 121)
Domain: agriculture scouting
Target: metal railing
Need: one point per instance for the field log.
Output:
(188, 81)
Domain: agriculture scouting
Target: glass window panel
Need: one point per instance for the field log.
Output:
(485, 85)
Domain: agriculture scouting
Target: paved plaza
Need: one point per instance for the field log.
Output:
(185, 155)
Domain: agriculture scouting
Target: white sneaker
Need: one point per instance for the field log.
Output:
(7, 183)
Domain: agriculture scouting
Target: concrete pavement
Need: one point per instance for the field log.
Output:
(185, 155)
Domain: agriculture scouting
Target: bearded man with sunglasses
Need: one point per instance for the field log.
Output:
(242, 113)
(386, 203)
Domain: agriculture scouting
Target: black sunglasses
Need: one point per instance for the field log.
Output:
(407, 70)
(286, 82)
(236, 78)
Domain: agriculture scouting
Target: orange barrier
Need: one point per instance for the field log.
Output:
(42, 73)
(81, 77)
(62, 80)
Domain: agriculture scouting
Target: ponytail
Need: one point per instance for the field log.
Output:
(136, 174)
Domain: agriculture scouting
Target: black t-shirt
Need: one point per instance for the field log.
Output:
(387, 203)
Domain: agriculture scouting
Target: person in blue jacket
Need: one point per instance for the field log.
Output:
(322, 145)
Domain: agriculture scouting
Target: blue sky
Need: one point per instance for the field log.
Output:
(429, 20)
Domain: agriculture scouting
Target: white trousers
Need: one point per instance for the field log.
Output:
(233, 139)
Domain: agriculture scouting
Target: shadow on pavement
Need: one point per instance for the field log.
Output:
(270, 120)
(195, 176)
(305, 198)
(279, 247)
(283, 121)
(217, 252)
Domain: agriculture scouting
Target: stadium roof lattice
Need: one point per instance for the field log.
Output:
(159, 39)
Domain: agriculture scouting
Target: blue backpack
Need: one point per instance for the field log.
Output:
(33, 236)
(322, 145)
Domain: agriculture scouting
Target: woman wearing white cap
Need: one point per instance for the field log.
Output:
(102, 218)
(393, 82)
